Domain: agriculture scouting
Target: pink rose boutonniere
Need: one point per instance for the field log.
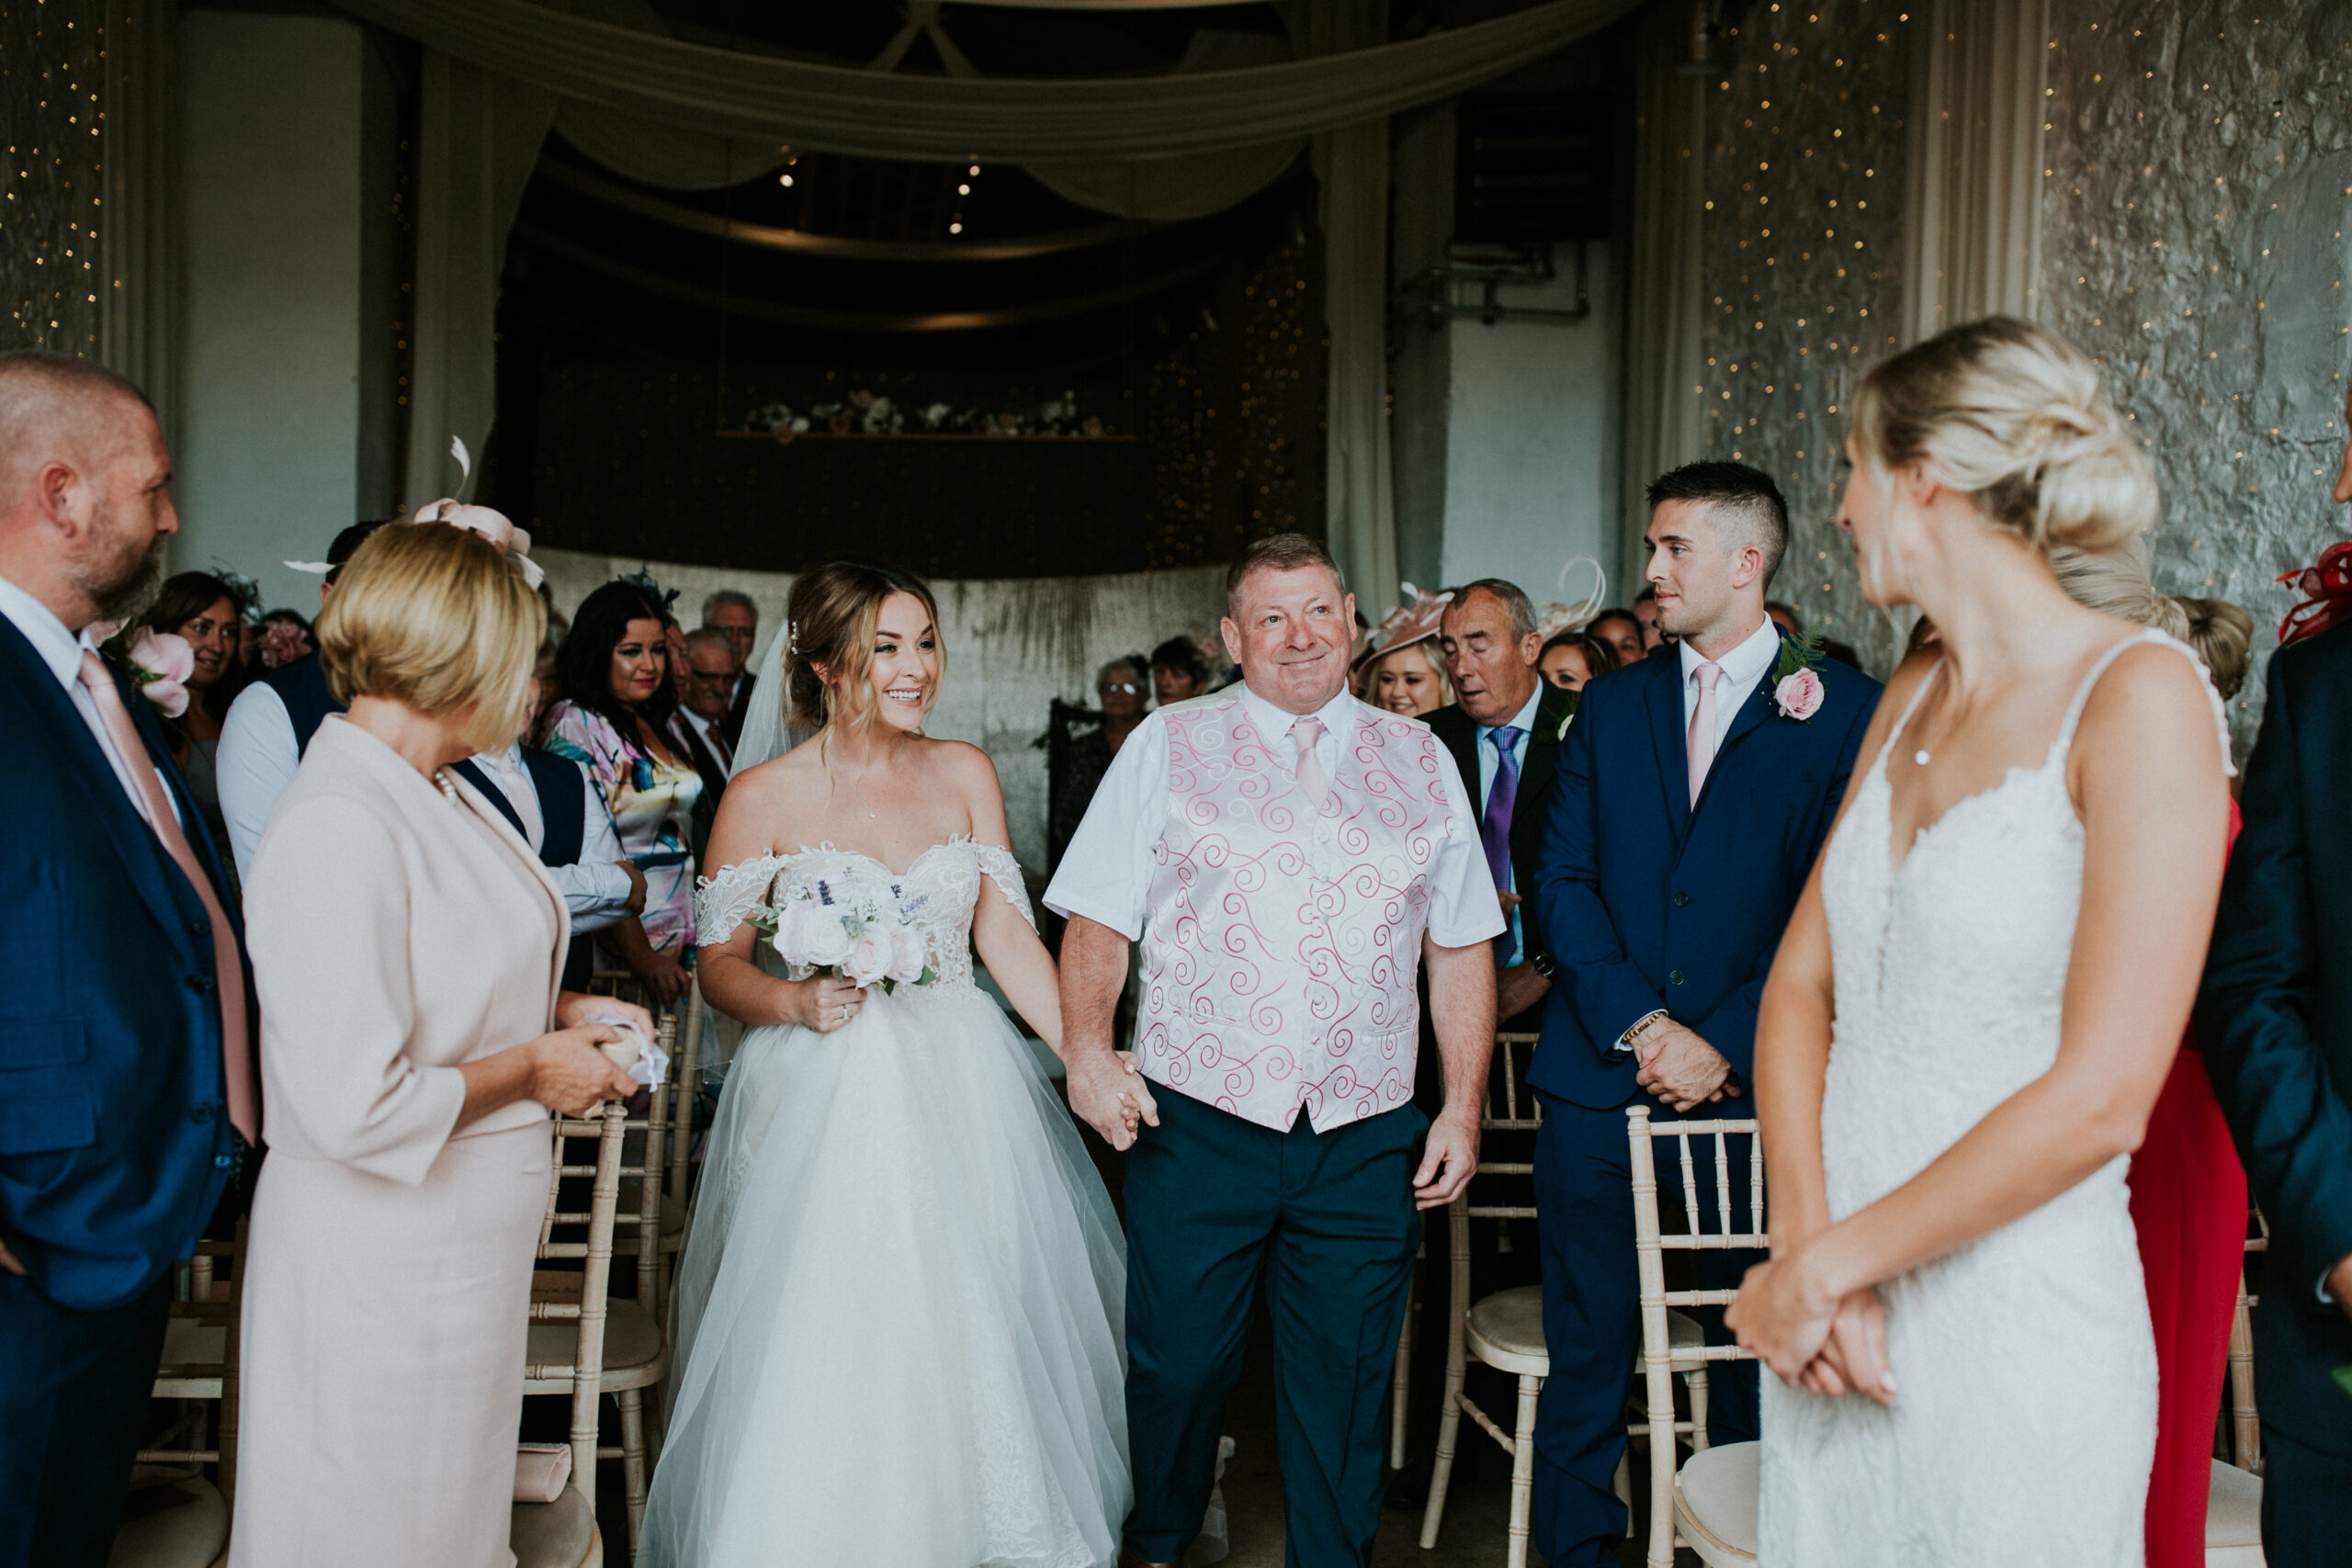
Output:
(161, 662)
(1796, 681)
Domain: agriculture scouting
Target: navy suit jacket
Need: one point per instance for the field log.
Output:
(2274, 1019)
(115, 1144)
(1646, 901)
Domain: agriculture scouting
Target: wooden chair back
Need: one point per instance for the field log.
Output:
(2246, 1424)
(579, 1295)
(199, 1361)
(1650, 1246)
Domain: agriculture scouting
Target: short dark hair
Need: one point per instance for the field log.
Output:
(1278, 552)
(1746, 495)
(1182, 655)
(1599, 658)
(1513, 598)
(347, 544)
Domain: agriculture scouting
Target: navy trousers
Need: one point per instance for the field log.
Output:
(1592, 1322)
(1212, 1201)
(73, 1392)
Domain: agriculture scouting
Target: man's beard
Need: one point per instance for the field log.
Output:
(126, 585)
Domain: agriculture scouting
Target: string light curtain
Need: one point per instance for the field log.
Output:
(1973, 225)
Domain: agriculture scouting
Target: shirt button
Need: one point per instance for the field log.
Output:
(200, 1113)
(199, 928)
(200, 984)
(1680, 899)
(1674, 978)
(222, 1162)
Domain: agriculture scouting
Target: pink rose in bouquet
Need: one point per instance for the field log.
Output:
(1799, 694)
(907, 956)
(162, 662)
(869, 956)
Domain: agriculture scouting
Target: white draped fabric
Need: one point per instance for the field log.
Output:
(1972, 224)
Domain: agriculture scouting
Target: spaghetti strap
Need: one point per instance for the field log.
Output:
(1918, 694)
(2066, 740)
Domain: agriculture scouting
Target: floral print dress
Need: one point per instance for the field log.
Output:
(652, 804)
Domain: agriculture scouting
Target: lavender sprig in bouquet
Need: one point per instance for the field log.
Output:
(847, 923)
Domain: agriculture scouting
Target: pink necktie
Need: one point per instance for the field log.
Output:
(1311, 777)
(237, 1063)
(1701, 746)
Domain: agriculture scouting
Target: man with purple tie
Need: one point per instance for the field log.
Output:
(1692, 796)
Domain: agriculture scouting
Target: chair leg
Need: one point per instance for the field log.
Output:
(1623, 1484)
(633, 1459)
(1449, 1431)
(1400, 1384)
(1522, 1471)
(1699, 1411)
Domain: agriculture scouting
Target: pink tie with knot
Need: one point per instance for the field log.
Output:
(229, 974)
(1304, 734)
(1700, 746)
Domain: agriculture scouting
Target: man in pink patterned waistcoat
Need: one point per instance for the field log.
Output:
(1287, 855)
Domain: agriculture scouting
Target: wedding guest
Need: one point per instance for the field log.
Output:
(270, 725)
(1119, 688)
(201, 610)
(712, 672)
(285, 638)
(615, 720)
(735, 616)
(543, 692)
(1692, 793)
(126, 1053)
(1645, 611)
(2187, 1189)
(1409, 679)
(1572, 659)
(1622, 630)
(1179, 673)
(2002, 939)
(1277, 1072)
(415, 1038)
(2276, 1019)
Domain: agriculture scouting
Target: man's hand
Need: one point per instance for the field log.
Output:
(1518, 988)
(1449, 1159)
(1110, 1094)
(1509, 901)
(1681, 1068)
(2339, 1284)
(8, 1262)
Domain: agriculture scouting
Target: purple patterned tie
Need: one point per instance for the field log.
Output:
(1495, 832)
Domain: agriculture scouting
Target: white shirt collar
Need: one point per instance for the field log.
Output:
(59, 648)
(1742, 665)
(1338, 714)
(1523, 720)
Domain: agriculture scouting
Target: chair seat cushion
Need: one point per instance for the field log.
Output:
(2233, 1518)
(1716, 1501)
(552, 1535)
(633, 1353)
(1506, 1331)
(183, 1524)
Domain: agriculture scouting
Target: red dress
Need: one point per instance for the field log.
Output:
(2189, 1203)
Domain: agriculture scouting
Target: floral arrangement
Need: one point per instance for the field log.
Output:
(161, 662)
(847, 924)
(1796, 681)
(868, 413)
(283, 642)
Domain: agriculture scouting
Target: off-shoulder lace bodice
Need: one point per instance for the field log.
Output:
(938, 893)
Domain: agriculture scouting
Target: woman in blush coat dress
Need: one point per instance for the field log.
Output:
(406, 946)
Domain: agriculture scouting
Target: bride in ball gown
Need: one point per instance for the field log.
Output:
(1979, 998)
(899, 1317)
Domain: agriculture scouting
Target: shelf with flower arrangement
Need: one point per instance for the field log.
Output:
(865, 415)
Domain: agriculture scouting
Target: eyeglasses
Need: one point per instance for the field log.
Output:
(724, 680)
(1107, 687)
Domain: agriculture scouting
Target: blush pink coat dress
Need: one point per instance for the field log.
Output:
(396, 934)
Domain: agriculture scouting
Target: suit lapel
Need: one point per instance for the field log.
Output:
(1669, 733)
(1461, 738)
(135, 843)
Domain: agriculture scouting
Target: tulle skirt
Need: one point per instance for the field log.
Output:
(899, 1313)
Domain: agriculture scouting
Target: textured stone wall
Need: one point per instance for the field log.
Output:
(1803, 260)
(52, 76)
(2198, 192)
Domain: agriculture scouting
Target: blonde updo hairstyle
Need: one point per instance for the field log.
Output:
(835, 612)
(2014, 416)
(2222, 634)
(2116, 583)
(433, 617)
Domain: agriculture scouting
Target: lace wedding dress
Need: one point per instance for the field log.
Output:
(898, 1318)
(2025, 1421)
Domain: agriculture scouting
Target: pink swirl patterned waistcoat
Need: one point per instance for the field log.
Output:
(1281, 947)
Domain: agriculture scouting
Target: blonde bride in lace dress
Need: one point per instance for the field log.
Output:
(897, 1320)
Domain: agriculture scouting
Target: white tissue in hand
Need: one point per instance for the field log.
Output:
(641, 1060)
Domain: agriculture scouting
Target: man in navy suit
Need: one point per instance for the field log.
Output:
(125, 1058)
(2274, 1018)
(1686, 809)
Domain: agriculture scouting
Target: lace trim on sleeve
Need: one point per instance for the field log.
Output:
(722, 901)
(1005, 872)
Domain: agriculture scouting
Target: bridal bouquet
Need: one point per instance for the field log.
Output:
(848, 924)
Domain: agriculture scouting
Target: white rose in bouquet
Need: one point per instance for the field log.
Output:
(824, 941)
(909, 957)
(790, 938)
(869, 956)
